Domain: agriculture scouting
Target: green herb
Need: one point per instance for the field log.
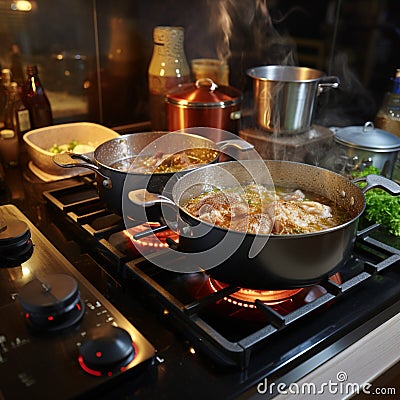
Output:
(366, 171)
(55, 149)
(381, 207)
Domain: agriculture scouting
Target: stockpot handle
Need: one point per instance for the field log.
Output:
(328, 82)
(74, 160)
(379, 181)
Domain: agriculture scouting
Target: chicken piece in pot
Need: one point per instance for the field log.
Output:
(294, 217)
(219, 208)
(230, 210)
(255, 223)
(297, 195)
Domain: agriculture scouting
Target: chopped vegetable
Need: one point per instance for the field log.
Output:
(381, 207)
(83, 148)
(73, 146)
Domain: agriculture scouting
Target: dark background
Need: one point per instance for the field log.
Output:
(93, 55)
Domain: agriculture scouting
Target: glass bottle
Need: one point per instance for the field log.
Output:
(16, 115)
(36, 100)
(5, 83)
(388, 116)
(168, 69)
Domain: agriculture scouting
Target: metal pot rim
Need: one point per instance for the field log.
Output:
(284, 70)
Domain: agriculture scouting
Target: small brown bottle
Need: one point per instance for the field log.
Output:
(4, 85)
(36, 100)
(16, 114)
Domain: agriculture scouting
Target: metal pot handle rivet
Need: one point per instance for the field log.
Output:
(107, 183)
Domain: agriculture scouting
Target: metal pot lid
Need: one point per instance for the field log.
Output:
(204, 93)
(367, 137)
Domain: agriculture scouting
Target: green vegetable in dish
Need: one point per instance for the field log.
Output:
(381, 207)
(56, 149)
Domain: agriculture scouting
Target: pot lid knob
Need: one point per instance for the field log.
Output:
(204, 82)
(368, 126)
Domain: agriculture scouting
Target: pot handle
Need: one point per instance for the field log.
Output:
(328, 82)
(74, 160)
(379, 181)
(238, 144)
(144, 198)
(70, 160)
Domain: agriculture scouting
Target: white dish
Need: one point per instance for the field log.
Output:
(38, 142)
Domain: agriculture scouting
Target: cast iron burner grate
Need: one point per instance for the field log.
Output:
(326, 312)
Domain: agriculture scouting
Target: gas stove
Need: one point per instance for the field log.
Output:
(256, 333)
(211, 339)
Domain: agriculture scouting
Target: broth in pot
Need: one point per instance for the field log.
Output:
(259, 210)
(166, 163)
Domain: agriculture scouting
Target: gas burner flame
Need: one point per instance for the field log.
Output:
(149, 239)
(246, 297)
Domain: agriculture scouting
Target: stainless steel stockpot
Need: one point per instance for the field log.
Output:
(285, 96)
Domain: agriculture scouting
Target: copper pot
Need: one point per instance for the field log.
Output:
(204, 103)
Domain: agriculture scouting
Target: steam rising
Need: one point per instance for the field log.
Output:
(246, 28)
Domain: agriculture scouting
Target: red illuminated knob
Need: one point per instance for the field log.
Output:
(108, 349)
(52, 302)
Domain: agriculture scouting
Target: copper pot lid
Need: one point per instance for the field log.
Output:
(204, 93)
(367, 137)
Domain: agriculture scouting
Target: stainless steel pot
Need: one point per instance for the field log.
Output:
(357, 147)
(111, 180)
(285, 96)
(204, 103)
(284, 261)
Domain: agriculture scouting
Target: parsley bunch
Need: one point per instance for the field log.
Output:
(381, 207)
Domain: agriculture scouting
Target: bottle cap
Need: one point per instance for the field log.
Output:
(7, 134)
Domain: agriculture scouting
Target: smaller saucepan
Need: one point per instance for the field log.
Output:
(112, 161)
(358, 147)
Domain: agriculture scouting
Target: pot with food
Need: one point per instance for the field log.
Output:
(149, 159)
(292, 224)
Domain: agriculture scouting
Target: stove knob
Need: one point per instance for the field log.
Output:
(106, 350)
(52, 303)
